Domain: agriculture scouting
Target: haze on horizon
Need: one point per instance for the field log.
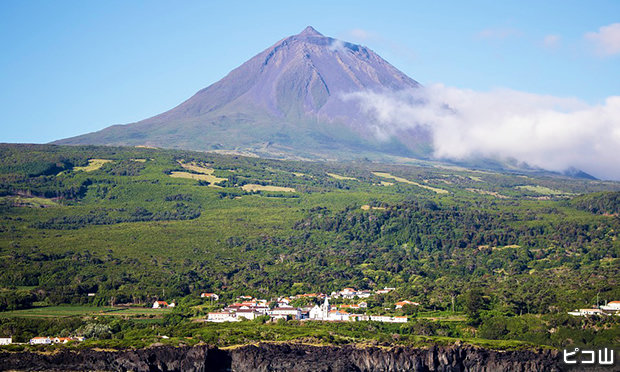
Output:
(539, 86)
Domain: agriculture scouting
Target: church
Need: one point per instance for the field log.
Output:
(325, 312)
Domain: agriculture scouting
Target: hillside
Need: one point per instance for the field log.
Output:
(132, 224)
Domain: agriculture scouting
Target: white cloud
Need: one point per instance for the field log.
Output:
(336, 45)
(606, 40)
(551, 41)
(545, 131)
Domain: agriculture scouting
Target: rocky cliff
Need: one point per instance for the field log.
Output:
(290, 357)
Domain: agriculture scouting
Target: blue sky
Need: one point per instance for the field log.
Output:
(71, 67)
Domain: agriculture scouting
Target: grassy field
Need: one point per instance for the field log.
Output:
(404, 180)
(75, 310)
(540, 190)
(339, 177)
(253, 187)
(193, 176)
(26, 201)
(93, 165)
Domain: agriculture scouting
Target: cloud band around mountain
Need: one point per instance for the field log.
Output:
(544, 131)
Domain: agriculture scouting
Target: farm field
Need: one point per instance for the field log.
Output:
(93, 165)
(72, 310)
(400, 179)
(253, 187)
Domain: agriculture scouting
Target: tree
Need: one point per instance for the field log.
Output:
(474, 302)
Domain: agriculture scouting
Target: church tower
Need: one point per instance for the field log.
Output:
(325, 308)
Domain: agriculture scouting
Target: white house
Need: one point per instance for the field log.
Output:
(400, 304)
(6, 340)
(160, 304)
(219, 317)
(40, 341)
(338, 315)
(284, 312)
(61, 340)
(247, 314)
(611, 306)
(210, 296)
(348, 293)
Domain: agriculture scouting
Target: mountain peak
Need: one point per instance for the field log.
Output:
(310, 31)
(290, 96)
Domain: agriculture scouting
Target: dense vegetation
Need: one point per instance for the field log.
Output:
(513, 252)
(599, 203)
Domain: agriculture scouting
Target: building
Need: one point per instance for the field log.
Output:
(40, 341)
(210, 296)
(381, 318)
(338, 316)
(320, 312)
(283, 301)
(400, 304)
(161, 305)
(6, 340)
(612, 306)
(348, 293)
(249, 314)
(219, 317)
(586, 312)
(263, 309)
(61, 340)
(283, 312)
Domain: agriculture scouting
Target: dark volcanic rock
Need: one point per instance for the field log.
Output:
(291, 357)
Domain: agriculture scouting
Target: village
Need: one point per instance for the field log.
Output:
(251, 308)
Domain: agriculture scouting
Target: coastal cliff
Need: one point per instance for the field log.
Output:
(287, 357)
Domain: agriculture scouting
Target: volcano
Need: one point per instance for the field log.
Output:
(289, 101)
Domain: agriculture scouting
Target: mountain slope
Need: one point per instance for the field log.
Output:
(287, 100)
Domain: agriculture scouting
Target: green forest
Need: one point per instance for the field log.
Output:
(496, 258)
